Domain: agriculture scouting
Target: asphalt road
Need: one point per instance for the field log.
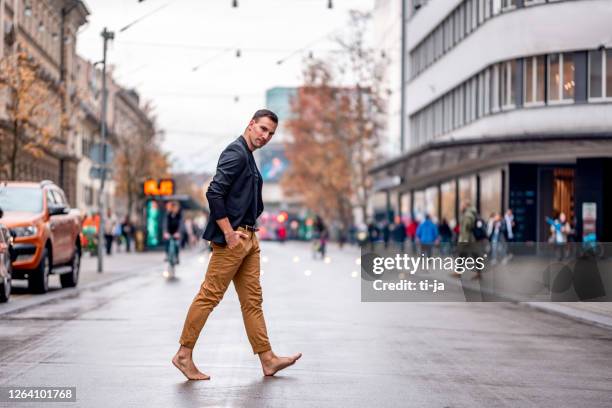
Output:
(114, 344)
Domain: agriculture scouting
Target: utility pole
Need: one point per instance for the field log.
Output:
(106, 36)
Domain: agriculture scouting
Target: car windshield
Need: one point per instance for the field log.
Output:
(27, 199)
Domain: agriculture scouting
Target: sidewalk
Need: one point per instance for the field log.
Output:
(520, 281)
(117, 267)
(597, 313)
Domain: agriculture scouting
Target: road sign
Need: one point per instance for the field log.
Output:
(95, 172)
(101, 155)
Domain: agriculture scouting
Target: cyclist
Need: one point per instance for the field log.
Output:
(172, 227)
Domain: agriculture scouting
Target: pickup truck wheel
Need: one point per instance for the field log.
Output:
(5, 287)
(70, 279)
(38, 279)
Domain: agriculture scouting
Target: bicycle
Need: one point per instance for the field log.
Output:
(172, 255)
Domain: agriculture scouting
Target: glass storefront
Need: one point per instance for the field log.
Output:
(431, 203)
(449, 196)
(419, 205)
(405, 205)
(467, 189)
(490, 193)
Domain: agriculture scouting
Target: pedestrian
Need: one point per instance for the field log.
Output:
(373, 234)
(495, 234)
(321, 235)
(467, 244)
(127, 231)
(386, 228)
(559, 230)
(509, 227)
(427, 235)
(281, 233)
(172, 226)
(117, 236)
(235, 201)
(399, 233)
(109, 226)
(446, 237)
(411, 233)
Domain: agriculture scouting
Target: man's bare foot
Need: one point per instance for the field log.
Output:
(184, 362)
(271, 363)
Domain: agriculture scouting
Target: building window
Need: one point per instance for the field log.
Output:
(596, 80)
(506, 84)
(508, 4)
(561, 83)
(495, 88)
(458, 103)
(568, 71)
(462, 28)
(608, 62)
(486, 92)
(448, 112)
(480, 99)
(448, 34)
(497, 6)
(600, 74)
(474, 14)
(487, 9)
(533, 80)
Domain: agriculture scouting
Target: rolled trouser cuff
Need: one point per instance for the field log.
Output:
(188, 344)
(262, 349)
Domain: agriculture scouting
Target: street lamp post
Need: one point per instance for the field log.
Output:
(106, 36)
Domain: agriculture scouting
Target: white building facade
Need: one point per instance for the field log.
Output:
(508, 104)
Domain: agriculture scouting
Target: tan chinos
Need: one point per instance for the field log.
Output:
(241, 266)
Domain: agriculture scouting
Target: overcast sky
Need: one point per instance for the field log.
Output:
(183, 58)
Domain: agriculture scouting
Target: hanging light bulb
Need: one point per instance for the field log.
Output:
(238, 53)
(235, 3)
(330, 4)
(310, 55)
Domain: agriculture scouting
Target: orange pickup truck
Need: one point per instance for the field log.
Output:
(45, 233)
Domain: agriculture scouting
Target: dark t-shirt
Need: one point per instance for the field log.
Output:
(173, 223)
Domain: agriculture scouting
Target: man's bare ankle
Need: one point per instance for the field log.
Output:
(184, 352)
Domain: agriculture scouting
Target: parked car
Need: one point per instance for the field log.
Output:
(45, 233)
(6, 257)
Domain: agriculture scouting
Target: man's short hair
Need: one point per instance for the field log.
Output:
(265, 113)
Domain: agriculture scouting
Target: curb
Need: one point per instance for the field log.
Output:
(582, 316)
(558, 309)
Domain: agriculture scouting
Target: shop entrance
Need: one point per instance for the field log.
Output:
(556, 195)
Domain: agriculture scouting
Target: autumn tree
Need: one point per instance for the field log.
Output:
(336, 125)
(138, 156)
(33, 115)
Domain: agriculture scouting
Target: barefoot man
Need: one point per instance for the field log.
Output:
(234, 197)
